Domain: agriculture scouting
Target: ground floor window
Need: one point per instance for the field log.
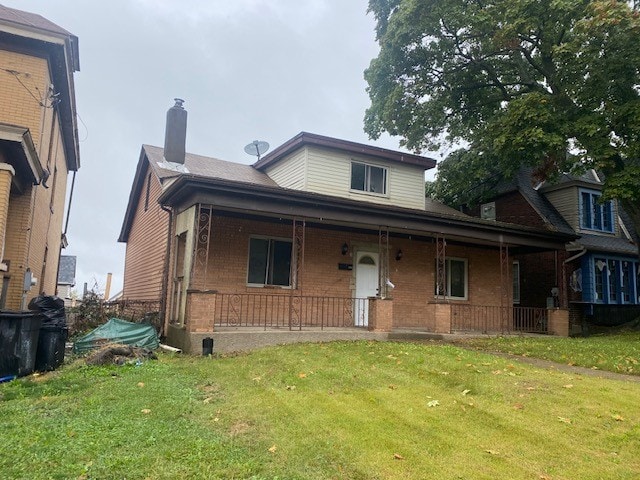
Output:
(456, 279)
(269, 262)
(616, 281)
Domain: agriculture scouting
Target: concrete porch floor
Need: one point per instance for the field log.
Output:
(229, 339)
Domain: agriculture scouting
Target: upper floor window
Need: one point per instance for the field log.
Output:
(368, 178)
(269, 262)
(594, 214)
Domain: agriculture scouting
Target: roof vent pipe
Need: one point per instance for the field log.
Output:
(175, 135)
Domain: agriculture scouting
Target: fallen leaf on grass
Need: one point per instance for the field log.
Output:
(397, 456)
(392, 387)
(141, 384)
(518, 406)
(302, 375)
(146, 411)
(273, 449)
(433, 403)
(207, 400)
(617, 418)
(564, 420)
(545, 477)
(466, 392)
(568, 385)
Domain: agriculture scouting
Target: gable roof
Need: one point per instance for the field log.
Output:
(28, 19)
(523, 182)
(312, 139)
(196, 165)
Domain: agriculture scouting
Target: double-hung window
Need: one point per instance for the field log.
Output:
(594, 214)
(455, 279)
(368, 178)
(269, 262)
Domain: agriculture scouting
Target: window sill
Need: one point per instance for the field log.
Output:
(269, 287)
(371, 194)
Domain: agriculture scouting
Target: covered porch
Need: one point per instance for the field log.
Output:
(302, 263)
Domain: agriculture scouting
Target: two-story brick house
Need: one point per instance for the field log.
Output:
(599, 271)
(38, 148)
(319, 233)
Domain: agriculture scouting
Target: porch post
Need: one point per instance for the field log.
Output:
(383, 271)
(505, 286)
(297, 266)
(201, 247)
(441, 268)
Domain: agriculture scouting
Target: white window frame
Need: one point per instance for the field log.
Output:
(270, 238)
(367, 184)
(447, 263)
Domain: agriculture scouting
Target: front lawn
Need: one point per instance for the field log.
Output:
(615, 353)
(340, 410)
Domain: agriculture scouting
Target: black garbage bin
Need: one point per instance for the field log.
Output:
(50, 351)
(53, 332)
(19, 333)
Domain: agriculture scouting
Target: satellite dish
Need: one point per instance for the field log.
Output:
(256, 148)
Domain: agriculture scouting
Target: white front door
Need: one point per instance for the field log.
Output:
(366, 285)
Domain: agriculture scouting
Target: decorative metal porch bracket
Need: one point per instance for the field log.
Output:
(441, 268)
(297, 266)
(383, 271)
(505, 286)
(201, 247)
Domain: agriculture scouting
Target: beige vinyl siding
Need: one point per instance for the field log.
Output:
(329, 172)
(146, 246)
(567, 204)
(290, 172)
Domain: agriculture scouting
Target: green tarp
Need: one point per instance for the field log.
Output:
(118, 331)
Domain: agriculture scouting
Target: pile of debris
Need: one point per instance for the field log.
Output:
(119, 354)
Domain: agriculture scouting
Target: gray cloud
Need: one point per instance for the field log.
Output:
(248, 69)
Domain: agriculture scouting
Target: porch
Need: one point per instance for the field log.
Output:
(238, 272)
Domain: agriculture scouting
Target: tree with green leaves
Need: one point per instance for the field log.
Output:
(549, 84)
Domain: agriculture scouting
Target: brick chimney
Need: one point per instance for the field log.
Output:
(175, 134)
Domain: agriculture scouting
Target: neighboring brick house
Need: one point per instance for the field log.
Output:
(318, 233)
(38, 148)
(599, 271)
(67, 279)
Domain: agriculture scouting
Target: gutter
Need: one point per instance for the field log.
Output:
(576, 256)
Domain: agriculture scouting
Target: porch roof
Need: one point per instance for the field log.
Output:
(188, 189)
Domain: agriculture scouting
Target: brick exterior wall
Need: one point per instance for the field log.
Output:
(147, 245)
(35, 216)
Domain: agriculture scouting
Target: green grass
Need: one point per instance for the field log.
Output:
(313, 411)
(618, 353)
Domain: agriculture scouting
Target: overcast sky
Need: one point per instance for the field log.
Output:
(247, 69)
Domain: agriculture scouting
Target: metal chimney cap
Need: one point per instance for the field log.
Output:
(179, 102)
